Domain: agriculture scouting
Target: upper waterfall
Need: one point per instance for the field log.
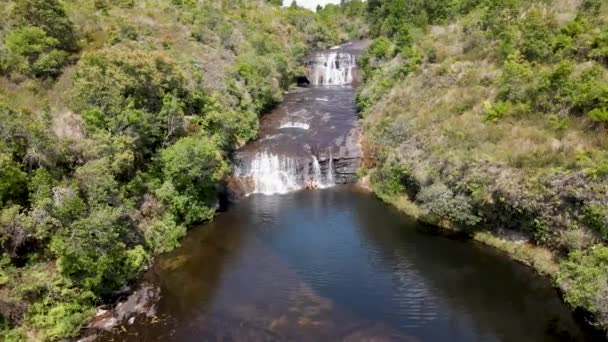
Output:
(331, 68)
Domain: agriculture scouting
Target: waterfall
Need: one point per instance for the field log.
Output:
(268, 173)
(316, 167)
(271, 173)
(332, 68)
(330, 171)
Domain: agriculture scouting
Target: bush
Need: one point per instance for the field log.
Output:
(381, 48)
(33, 53)
(441, 202)
(13, 181)
(596, 217)
(584, 278)
(99, 252)
(517, 81)
(48, 16)
(191, 169)
(60, 320)
(394, 179)
(135, 93)
(599, 115)
(537, 32)
(498, 110)
(163, 235)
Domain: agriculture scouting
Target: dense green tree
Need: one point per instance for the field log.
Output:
(191, 169)
(34, 53)
(49, 16)
(99, 252)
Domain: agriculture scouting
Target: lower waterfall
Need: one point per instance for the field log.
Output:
(268, 173)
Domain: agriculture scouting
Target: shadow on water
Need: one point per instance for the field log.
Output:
(339, 264)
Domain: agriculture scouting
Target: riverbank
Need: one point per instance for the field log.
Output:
(466, 135)
(516, 246)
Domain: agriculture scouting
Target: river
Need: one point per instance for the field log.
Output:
(302, 258)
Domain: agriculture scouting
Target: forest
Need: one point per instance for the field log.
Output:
(118, 118)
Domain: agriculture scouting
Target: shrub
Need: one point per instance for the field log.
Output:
(48, 16)
(13, 181)
(98, 252)
(537, 32)
(517, 81)
(163, 235)
(599, 48)
(34, 53)
(381, 48)
(440, 201)
(599, 115)
(394, 179)
(584, 278)
(191, 169)
(135, 93)
(596, 217)
(498, 110)
(60, 320)
(16, 229)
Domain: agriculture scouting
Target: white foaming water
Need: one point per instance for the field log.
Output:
(330, 172)
(292, 124)
(316, 168)
(279, 174)
(332, 68)
(271, 173)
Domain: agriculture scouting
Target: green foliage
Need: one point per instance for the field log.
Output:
(48, 16)
(536, 35)
(584, 277)
(34, 53)
(12, 180)
(394, 179)
(381, 48)
(191, 169)
(517, 80)
(441, 202)
(134, 93)
(15, 230)
(596, 217)
(163, 235)
(60, 320)
(99, 252)
(498, 110)
(599, 115)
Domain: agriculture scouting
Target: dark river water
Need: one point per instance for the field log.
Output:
(340, 265)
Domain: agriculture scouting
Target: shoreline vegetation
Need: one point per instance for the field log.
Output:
(487, 117)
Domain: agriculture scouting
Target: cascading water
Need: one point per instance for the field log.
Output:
(299, 139)
(271, 173)
(279, 174)
(330, 181)
(316, 168)
(332, 68)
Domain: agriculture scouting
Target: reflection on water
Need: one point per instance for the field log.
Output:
(340, 265)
